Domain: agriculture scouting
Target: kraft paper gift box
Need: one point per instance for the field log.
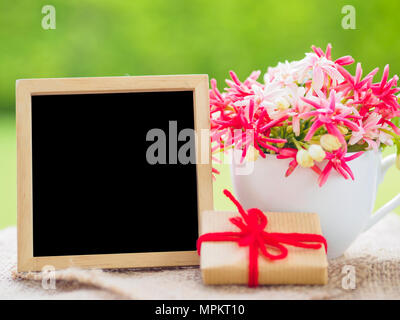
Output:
(228, 263)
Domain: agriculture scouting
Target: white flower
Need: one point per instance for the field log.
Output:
(330, 142)
(284, 73)
(277, 108)
(316, 152)
(304, 159)
(270, 92)
(281, 103)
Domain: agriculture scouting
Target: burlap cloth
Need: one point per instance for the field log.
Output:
(375, 256)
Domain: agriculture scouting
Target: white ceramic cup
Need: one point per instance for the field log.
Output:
(344, 206)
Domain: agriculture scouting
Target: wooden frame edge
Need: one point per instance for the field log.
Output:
(24, 176)
(25, 89)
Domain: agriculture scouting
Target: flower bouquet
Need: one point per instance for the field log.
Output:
(312, 111)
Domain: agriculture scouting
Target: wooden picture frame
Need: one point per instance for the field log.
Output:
(25, 89)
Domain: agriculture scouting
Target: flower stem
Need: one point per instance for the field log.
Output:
(297, 143)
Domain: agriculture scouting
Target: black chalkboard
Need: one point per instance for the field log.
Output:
(94, 191)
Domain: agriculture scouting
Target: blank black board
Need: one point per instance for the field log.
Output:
(93, 190)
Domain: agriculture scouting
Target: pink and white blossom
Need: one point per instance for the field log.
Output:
(311, 108)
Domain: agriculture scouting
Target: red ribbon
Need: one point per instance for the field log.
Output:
(252, 235)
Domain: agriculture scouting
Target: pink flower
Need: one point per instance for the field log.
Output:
(368, 130)
(287, 153)
(384, 90)
(238, 90)
(337, 160)
(343, 61)
(244, 130)
(325, 115)
(322, 68)
(355, 83)
(214, 172)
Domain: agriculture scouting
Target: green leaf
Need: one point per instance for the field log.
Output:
(357, 147)
(396, 121)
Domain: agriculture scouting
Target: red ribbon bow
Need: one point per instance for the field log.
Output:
(252, 235)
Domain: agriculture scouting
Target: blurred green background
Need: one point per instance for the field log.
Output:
(119, 37)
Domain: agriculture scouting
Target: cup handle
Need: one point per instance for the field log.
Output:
(392, 204)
